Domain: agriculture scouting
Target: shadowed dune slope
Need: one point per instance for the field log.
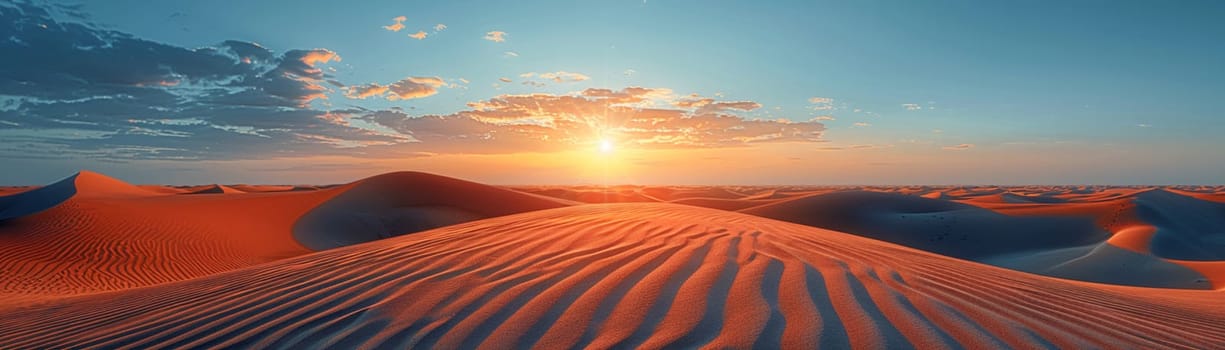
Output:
(940, 226)
(623, 275)
(37, 200)
(404, 202)
(1066, 246)
(1187, 228)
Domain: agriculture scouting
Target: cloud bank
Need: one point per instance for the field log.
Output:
(72, 89)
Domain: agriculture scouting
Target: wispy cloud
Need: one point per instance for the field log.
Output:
(912, 106)
(419, 35)
(504, 79)
(510, 54)
(398, 25)
(861, 125)
(860, 147)
(557, 77)
(961, 147)
(821, 103)
(496, 36)
(439, 27)
(406, 89)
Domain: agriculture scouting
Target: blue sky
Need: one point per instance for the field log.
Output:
(955, 83)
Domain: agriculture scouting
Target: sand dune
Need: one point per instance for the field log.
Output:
(944, 227)
(591, 194)
(213, 189)
(1186, 228)
(628, 275)
(1076, 242)
(398, 203)
(83, 184)
(723, 204)
(262, 188)
(94, 233)
(92, 262)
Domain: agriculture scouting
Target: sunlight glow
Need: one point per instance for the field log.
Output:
(606, 146)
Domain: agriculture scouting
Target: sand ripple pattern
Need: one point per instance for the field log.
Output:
(623, 276)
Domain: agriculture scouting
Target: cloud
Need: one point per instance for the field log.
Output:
(511, 54)
(496, 36)
(504, 79)
(961, 147)
(861, 125)
(861, 147)
(1143, 126)
(73, 90)
(362, 92)
(398, 25)
(825, 117)
(821, 103)
(439, 27)
(629, 72)
(405, 89)
(912, 106)
(556, 77)
(710, 105)
(544, 122)
(419, 35)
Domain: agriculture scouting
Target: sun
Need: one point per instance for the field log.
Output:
(606, 146)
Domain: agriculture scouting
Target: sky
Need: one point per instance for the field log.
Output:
(615, 92)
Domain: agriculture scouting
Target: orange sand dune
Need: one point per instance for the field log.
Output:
(623, 275)
(92, 233)
(108, 235)
(262, 188)
(11, 190)
(163, 189)
(212, 189)
(724, 204)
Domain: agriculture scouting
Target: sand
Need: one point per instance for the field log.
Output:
(414, 260)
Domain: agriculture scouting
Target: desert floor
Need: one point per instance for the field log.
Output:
(414, 260)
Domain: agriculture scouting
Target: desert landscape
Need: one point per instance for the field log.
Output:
(617, 174)
(416, 260)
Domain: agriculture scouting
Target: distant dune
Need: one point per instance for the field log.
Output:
(398, 203)
(213, 189)
(415, 260)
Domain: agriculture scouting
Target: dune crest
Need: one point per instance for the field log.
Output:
(215, 189)
(405, 202)
(82, 184)
(625, 275)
